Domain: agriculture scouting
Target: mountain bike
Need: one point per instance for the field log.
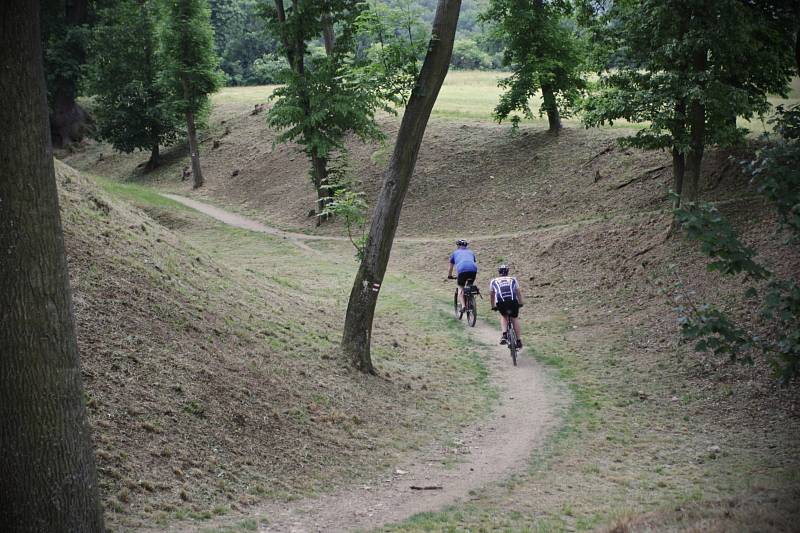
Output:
(470, 309)
(511, 336)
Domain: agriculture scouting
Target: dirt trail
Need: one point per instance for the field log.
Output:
(297, 238)
(487, 452)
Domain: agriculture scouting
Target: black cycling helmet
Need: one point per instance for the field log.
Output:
(502, 270)
(461, 242)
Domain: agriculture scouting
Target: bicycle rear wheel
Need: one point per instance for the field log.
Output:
(472, 311)
(512, 342)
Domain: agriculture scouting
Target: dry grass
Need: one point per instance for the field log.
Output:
(212, 368)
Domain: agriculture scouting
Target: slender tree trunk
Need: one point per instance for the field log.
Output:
(364, 295)
(47, 471)
(319, 167)
(697, 135)
(294, 55)
(678, 171)
(197, 173)
(797, 50)
(191, 131)
(328, 36)
(155, 159)
(550, 105)
(678, 157)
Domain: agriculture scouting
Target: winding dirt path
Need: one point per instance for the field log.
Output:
(487, 452)
(298, 238)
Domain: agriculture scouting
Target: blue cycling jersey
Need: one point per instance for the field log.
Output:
(464, 260)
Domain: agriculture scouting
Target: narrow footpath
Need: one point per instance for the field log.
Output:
(430, 479)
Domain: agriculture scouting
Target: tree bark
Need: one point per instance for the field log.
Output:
(68, 120)
(678, 157)
(294, 55)
(319, 174)
(551, 107)
(697, 135)
(155, 159)
(48, 480)
(364, 295)
(328, 36)
(191, 132)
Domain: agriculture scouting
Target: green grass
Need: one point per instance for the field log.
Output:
(139, 195)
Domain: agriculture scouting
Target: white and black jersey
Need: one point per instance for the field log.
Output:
(505, 288)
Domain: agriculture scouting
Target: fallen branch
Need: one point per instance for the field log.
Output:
(426, 487)
(598, 154)
(641, 176)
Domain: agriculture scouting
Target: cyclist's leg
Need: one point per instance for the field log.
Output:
(514, 313)
(515, 323)
(461, 281)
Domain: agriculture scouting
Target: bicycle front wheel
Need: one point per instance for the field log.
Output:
(455, 305)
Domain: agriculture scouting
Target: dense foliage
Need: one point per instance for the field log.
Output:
(688, 69)
(248, 54)
(777, 174)
(326, 95)
(133, 110)
(190, 66)
(544, 54)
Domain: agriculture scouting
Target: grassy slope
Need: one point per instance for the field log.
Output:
(600, 280)
(211, 362)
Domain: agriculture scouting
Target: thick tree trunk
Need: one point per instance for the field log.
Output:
(155, 159)
(364, 295)
(69, 122)
(551, 107)
(47, 471)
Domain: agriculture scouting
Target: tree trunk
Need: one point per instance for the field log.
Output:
(197, 174)
(191, 131)
(294, 55)
(328, 37)
(47, 471)
(678, 171)
(364, 295)
(155, 159)
(697, 135)
(797, 50)
(678, 157)
(551, 107)
(319, 170)
(68, 120)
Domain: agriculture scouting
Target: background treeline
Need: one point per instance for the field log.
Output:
(249, 54)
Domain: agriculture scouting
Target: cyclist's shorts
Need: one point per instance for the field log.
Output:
(509, 307)
(464, 276)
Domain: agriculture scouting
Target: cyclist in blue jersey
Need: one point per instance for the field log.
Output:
(506, 298)
(466, 266)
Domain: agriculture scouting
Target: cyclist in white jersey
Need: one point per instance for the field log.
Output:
(506, 298)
